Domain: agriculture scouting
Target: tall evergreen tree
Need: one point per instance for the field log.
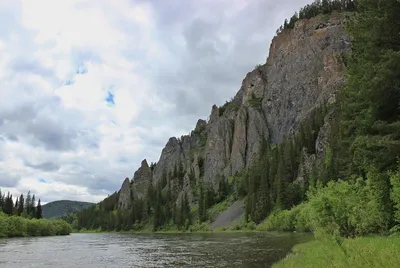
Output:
(21, 205)
(1, 201)
(33, 207)
(39, 213)
(28, 203)
(8, 204)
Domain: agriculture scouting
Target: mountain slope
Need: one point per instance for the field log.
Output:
(304, 70)
(58, 209)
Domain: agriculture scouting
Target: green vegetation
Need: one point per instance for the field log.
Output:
(58, 209)
(255, 102)
(17, 226)
(270, 184)
(316, 8)
(24, 218)
(164, 207)
(361, 252)
(358, 188)
(231, 105)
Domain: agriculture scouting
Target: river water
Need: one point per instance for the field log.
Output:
(148, 250)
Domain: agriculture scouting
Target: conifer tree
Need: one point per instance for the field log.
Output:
(39, 211)
(21, 205)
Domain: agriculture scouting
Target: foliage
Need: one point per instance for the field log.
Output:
(316, 8)
(270, 182)
(287, 220)
(231, 105)
(395, 193)
(341, 208)
(365, 138)
(17, 226)
(255, 102)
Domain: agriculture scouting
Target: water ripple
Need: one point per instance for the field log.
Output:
(155, 250)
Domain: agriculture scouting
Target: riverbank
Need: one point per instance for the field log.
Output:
(16, 226)
(363, 252)
(173, 231)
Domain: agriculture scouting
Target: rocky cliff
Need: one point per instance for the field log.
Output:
(303, 71)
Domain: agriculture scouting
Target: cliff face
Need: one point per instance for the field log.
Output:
(303, 71)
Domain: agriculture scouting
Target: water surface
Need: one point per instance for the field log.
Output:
(148, 250)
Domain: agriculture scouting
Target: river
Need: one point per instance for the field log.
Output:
(111, 250)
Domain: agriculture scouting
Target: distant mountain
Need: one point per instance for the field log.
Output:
(62, 208)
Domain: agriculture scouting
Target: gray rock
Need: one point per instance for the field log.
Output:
(125, 199)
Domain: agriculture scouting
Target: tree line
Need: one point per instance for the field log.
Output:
(165, 205)
(23, 206)
(316, 8)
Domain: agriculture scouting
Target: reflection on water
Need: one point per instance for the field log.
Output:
(148, 250)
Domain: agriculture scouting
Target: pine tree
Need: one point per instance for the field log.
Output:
(16, 206)
(8, 204)
(39, 211)
(202, 206)
(21, 205)
(28, 203)
(1, 201)
(33, 207)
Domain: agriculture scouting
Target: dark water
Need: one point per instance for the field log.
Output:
(152, 250)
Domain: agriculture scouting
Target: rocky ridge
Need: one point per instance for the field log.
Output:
(303, 71)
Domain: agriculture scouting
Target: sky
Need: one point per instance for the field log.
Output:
(90, 88)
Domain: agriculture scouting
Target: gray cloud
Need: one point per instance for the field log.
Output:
(46, 166)
(35, 120)
(30, 66)
(52, 135)
(8, 180)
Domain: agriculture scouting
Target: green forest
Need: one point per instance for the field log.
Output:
(24, 218)
(354, 191)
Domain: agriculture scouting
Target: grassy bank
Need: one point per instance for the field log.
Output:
(360, 252)
(15, 226)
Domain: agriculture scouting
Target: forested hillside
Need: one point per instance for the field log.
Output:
(310, 141)
(60, 208)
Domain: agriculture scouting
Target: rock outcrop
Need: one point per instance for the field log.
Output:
(303, 71)
(125, 199)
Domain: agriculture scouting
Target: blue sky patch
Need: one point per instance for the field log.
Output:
(82, 69)
(110, 98)
(41, 180)
(67, 82)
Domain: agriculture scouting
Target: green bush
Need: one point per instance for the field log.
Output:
(344, 208)
(33, 227)
(14, 226)
(200, 227)
(236, 226)
(284, 220)
(340, 209)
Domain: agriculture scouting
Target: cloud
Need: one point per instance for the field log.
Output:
(90, 88)
(46, 166)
